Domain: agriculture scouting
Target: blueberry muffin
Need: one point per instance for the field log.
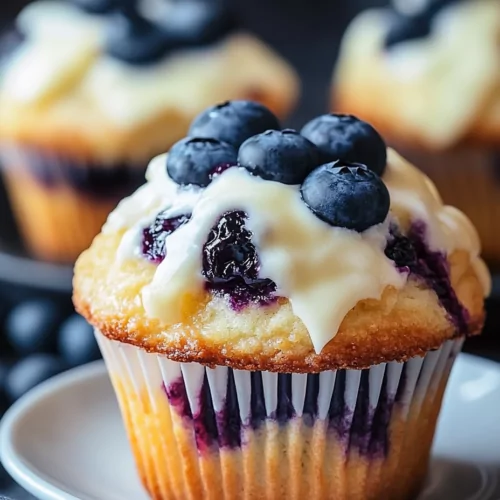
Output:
(439, 61)
(279, 311)
(93, 89)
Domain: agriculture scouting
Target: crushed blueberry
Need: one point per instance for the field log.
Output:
(348, 139)
(279, 155)
(231, 264)
(233, 122)
(195, 160)
(349, 196)
(412, 254)
(154, 236)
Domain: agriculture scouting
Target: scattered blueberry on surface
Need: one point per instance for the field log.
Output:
(76, 342)
(231, 263)
(279, 155)
(233, 122)
(30, 327)
(194, 160)
(347, 139)
(349, 196)
(136, 40)
(154, 236)
(31, 371)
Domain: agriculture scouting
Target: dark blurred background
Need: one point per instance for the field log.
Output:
(39, 333)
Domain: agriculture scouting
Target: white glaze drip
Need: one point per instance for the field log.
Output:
(324, 271)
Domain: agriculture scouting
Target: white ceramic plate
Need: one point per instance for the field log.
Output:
(65, 440)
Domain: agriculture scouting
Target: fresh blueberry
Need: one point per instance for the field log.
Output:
(194, 160)
(135, 40)
(77, 343)
(279, 155)
(154, 236)
(31, 326)
(194, 23)
(347, 139)
(31, 371)
(101, 6)
(234, 122)
(407, 28)
(349, 196)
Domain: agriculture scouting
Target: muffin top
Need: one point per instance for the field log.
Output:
(100, 78)
(262, 248)
(439, 60)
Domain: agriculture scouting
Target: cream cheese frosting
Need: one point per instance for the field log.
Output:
(324, 271)
(63, 60)
(441, 84)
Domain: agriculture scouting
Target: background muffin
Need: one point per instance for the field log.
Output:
(91, 94)
(430, 81)
(298, 316)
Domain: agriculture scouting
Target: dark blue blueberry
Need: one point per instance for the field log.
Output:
(279, 155)
(154, 236)
(401, 250)
(31, 326)
(77, 343)
(234, 122)
(136, 40)
(405, 28)
(101, 6)
(349, 196)
(231, 264)
(194, 160)
(193, 23)
(31, 371)
(347, 139)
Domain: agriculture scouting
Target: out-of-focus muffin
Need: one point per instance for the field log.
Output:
(427, 74)
(93, 90)
(279, 315)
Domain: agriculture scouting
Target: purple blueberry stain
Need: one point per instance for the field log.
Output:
(153, 244)
(231, 264)
(412, 254)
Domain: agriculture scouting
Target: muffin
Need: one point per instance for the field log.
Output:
(93, 89)
(427, 75)
(279, 320)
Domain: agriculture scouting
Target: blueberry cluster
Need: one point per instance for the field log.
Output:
(337, 159)
(40, 338)
(136, 40)
(411, 27)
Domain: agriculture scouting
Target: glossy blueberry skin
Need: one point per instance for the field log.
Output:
(234, 122)
(279, 155)
(194, 23)
(76, 341)
(351, 196)
(193, 160)
(137, 41)
(31, 371)
(101, 6)
(31, 326)
(347, 139)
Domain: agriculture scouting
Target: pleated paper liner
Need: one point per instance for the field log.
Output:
(203, 433)
(61, 203)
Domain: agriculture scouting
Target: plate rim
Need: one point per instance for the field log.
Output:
(27, 476)
(17, 467)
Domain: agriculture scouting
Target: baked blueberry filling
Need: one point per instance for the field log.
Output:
(412, 254)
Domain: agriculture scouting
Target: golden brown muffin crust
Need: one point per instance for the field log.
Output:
(401, 325)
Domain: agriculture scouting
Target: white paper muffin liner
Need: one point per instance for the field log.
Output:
(352, 429)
